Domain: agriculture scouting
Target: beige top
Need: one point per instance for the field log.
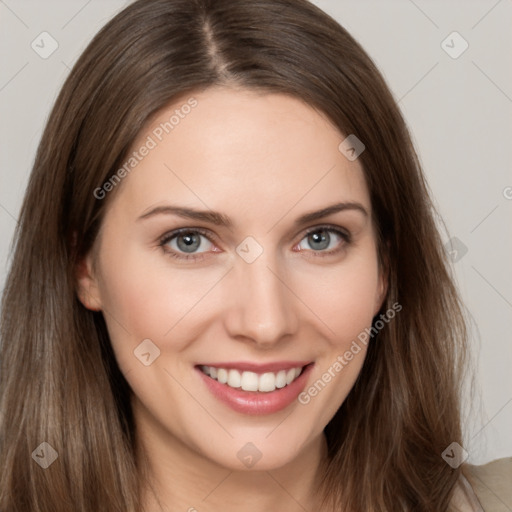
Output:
(486, 488)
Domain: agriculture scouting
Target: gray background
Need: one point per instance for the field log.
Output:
(458, 109)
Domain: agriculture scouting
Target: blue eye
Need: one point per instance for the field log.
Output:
(320, 238)
(187, 241)
(184, 243)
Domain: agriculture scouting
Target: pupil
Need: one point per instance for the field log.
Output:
(191, 242)
(322, 239)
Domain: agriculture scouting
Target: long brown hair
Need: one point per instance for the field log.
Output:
(59, 380)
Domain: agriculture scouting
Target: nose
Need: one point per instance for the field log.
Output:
(262, 307)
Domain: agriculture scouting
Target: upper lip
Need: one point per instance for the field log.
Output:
(258, 367)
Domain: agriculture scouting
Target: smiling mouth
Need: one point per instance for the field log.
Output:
(252, 381)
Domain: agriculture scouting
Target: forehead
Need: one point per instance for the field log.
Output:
(240, 151)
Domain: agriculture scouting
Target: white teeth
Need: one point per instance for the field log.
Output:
(267, 382)
(234, 379)
(281, 379)
(290, 375)
(222, 375)
(251, 381)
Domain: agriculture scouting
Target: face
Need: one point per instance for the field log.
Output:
(261, 294)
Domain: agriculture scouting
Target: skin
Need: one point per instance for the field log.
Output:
(262, 160)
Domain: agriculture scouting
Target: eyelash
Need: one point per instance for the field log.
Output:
(344, 235)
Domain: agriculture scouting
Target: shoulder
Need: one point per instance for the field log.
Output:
(485, 488)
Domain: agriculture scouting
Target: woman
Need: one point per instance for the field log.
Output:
(228, 290)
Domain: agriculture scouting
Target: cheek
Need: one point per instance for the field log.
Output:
(353, 303)
(144, 299)
(344, 297)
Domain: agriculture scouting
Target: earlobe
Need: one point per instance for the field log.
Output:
(86, 284)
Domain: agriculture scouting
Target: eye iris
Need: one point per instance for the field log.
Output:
(324, 239)
(192, 242)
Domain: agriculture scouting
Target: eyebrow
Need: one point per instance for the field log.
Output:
(219, 219)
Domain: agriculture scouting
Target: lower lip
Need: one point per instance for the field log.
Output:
(254, 402)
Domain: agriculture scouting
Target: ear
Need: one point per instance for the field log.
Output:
(87, 283)
(383, 283)
(382, 288)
